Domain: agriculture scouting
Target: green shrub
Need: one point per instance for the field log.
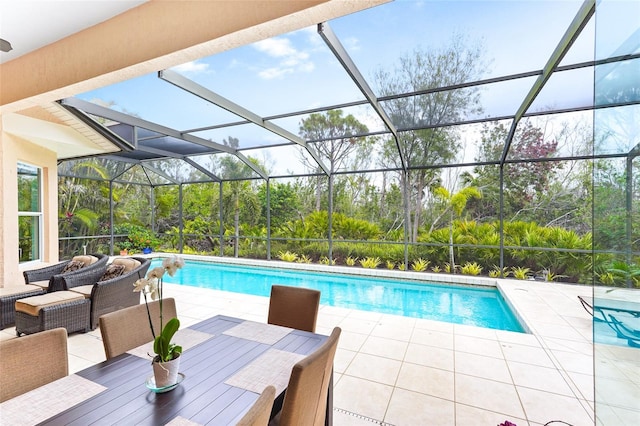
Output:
(287, 256)
(436, 269)
(520, 273)
(370, 262)
(471, 268)
(390, 264)
(351, 261)
(497, 272)
(420, 265)
(324, 260)
(304, 259)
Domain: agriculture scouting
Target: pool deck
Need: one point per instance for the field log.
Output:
(404, 371)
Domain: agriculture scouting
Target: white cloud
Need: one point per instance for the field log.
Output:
(276, 47)
(290, 59)
(191, 67)
(271, 73)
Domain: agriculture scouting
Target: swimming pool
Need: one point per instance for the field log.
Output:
(477, 306)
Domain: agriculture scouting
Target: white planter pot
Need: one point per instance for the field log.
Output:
(166, 373)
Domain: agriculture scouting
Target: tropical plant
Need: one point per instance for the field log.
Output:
(304, 259)
(450, 268)
(455, 204)
(402, 266)
(436, 269)
(548, 275)
(390, 264)
(471, 268)
(287, 256)
(420, 265)
(324, 260)
(370, 262)
(497, 272)
(520, 273)
(350, 261)
(152, 285)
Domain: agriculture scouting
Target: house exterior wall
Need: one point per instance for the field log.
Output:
(13, 150)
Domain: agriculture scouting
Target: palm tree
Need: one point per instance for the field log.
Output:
(454, 203)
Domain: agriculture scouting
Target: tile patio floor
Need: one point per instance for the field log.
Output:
(404, 371)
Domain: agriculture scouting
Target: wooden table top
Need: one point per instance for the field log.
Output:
(225, 349)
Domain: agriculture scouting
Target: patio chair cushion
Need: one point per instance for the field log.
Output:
(86, 259)
(113, 271)
(129, 263)
(32, 305)
(42, 284)
(17, 289)
(73, 265)
(84, 290)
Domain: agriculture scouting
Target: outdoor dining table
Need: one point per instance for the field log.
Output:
(226, 363)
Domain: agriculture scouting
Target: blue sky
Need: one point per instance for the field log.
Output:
(297, 71)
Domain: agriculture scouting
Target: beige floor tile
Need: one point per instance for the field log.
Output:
(87, 347)
(8, 333)
(392, 331)
(77, 364)
(574, 362)
(362, 396)
(328, 320)
(341, 418)
(518, 338)
(411, 408)
(375, 368)
(384, 347)
(543, 407)
(488, 395)
(364, 315)
(468, 330)
(342, 359)
(426, 380)
(429, 356)
(477, 345)
(526, 354)
(425, 324)
(351, 341)
(541, 378)
(356, 325)
(467, 415)
(432, 338)
(482, 366)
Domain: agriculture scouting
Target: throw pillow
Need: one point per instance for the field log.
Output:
(73, 265)
(112, 271)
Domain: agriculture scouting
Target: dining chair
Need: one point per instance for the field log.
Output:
(294, 307)
(260, 411)
(128, 328)
(32, 361)
(305, 401)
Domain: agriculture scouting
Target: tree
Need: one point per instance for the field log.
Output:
(419, 71)
(454, 205)
(526, 182)
(333, 136)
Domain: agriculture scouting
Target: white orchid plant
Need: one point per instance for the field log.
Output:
(151, 285)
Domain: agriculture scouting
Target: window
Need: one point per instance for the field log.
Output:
(29, 212)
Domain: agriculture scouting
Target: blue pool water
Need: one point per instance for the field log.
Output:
(478, 306)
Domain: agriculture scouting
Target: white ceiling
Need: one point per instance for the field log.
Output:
(31, 24)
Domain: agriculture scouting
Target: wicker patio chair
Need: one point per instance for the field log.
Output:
(294, 307)
(305, 401)
(128, 328)
(53, 274)
(112, 294)
(260, 411)
(32, 361)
